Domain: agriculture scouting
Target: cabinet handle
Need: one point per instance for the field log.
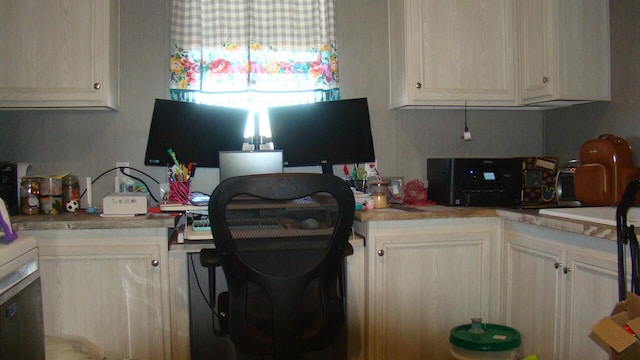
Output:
(418, 85)
(557, 265)
(545, 79)
(380, 252)
(566, 269)
(97, 86)
(155, 262)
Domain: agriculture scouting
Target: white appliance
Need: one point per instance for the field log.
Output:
(21, 325)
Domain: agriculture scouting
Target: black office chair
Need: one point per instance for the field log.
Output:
(281, 241)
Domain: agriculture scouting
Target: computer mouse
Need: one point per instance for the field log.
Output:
(309, 223)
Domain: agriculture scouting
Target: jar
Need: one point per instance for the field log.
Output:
(50, 205)
(51, 186)
(70, 191)
(30, 195)
(379, 191)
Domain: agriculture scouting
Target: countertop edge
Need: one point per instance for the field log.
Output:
(528, 216)
(90, 221)
(395, 213)
(587, 228)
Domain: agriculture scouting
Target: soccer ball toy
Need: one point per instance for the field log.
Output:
(72, 206)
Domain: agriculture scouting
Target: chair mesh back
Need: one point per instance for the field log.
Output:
(282, 239)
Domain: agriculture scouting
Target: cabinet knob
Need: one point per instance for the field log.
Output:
(557, 265)
(545, 79)
(418, 85)
(380, 252)
(97, 86)
(155, 262)
(566, 269)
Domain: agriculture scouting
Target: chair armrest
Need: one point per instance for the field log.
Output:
(210, 258)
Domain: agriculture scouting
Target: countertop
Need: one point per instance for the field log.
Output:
(528, 216)
(394, 213)
(402, 212)
(91, 221)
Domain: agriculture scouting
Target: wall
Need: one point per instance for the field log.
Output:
(566, 129)
(404, 139)
(90, 142)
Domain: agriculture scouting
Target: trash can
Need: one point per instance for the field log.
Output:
(478, 341)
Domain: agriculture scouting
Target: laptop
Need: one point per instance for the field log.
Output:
(240, 163)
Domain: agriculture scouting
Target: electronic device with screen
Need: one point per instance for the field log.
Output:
(240, 163)
(195, 132)
(323, 133)
(475, 181)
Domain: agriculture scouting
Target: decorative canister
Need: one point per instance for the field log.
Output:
(70, 192)
(379, 192)
(30, 195)
(50, 195)
(51, 186)
(50, 205)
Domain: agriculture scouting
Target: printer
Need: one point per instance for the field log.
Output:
(475, 181)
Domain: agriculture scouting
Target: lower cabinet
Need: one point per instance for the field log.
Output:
(108, 286)
(557, 285)
(426, 277)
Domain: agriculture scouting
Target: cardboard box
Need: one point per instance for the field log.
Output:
(611, 335)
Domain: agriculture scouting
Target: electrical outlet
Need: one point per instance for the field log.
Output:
(120, 178)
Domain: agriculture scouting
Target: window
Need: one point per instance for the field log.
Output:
(254, 53)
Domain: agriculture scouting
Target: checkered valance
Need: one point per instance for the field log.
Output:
(277, 24)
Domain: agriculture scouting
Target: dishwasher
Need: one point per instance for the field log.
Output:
(21, 322)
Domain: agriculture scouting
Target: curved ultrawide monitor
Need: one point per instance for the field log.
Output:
(323, 133)
(195, 132)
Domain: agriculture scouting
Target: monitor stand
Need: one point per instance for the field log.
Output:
(327, 169)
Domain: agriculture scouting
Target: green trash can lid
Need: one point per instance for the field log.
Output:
(494, 338)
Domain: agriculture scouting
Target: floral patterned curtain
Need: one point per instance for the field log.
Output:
(253, 52)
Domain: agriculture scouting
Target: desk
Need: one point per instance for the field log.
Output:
(72, 240)
(181, 278)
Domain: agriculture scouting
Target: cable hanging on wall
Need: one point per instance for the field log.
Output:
(466, 135)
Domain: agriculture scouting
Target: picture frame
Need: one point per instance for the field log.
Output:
(395, 189)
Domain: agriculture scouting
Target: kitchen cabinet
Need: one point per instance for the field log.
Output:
(108, 286)
(495, 53)
(445, 52)
(59, 54)
(557, 285)
(564, 50)
(425, 277)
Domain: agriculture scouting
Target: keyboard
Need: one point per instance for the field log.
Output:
(239, 224)
(201, 225)
(261, 223)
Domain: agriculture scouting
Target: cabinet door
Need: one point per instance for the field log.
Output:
(461, 50)
(426, 282)
(557, 286)
(108, 293)
(532, 288)
(58, 53)
(592, 290)
(536, 44)
(564, 50)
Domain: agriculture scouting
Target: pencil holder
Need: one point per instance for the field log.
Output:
(179, 191)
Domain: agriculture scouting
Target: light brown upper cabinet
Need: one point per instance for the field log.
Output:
(59, 54)
(498, 53)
